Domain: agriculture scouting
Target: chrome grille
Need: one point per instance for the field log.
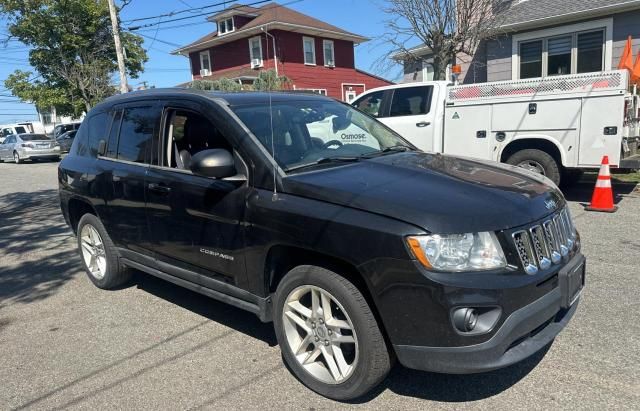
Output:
(545, 244)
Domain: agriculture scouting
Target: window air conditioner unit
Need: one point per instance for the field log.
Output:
(255, 63)
(205, 72)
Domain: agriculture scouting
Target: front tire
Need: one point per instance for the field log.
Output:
(99, 255)
(537, 161)
(328, 334)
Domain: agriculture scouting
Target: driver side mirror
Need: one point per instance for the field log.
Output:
(217, 163)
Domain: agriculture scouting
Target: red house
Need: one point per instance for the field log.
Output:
(314, 55)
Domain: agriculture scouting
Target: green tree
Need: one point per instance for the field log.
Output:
(223, 84)
(72, 52)
(268, 80)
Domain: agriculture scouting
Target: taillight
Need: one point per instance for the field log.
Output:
(27, 145)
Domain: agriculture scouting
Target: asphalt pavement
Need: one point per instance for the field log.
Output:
(151, 345)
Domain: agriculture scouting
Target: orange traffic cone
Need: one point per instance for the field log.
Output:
(602, 199)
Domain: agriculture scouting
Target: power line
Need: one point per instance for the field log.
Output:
(132, 28)
(160, 41)
(177, 26)
(174, 13)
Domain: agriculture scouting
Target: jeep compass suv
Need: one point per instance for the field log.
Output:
(316, 217)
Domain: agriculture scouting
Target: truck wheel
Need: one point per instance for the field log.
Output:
(99, 255)
(328, 335)
(537, 161)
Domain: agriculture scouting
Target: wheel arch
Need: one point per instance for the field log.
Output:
(77, 208)
(539, 142)
(283, 258)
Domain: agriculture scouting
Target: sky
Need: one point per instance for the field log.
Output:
(363, 17)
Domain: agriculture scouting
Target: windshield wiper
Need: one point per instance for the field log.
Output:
(325, 160)
(392, 149)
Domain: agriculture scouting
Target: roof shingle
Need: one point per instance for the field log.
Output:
(272, 13)
(531, 10)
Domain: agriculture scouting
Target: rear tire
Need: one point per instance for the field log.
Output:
(16, 158)
(338, 352)
(537, 161)
(99, 255)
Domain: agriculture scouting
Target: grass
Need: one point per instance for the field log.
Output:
(627, 178)
(616, 177)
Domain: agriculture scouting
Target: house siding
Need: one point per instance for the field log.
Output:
(499, 59)
(624, 25)
(335, 80)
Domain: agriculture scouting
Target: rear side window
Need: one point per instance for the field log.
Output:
(80, 146)
(411, 101)
(98, 130)
(20, 130)
(136, 134)
(34, 137)
(112, 145)
(370, 104)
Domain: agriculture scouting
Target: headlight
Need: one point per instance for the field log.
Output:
(458, 252)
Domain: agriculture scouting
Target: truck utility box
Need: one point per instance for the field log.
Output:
(552, 125)
(582, 115)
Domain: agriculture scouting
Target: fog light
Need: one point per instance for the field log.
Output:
(465, 319)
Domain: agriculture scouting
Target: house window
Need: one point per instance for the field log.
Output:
(320, 91)
(559, 56)
(590, 51)
(570, 53)
(329, 54)
(205, 63)
(225, 26)
(309, 46)
(46, 118)
(531, 59)
(255, 51)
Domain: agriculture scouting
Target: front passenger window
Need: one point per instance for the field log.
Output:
(187, 134)
(370, 103)
(136, 134)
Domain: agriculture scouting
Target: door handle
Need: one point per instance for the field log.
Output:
(159, 188)
(423, 124)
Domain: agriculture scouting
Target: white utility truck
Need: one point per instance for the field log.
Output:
(555, 126)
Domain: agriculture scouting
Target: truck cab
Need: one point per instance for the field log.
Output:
(413, 110)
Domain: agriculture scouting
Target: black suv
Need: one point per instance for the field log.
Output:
(308, 213)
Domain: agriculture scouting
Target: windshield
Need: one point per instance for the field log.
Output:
(309, 132)
(34, 137)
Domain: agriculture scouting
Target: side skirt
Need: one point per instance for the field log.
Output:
(215, 289)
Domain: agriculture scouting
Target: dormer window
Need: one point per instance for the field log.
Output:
(225, 26)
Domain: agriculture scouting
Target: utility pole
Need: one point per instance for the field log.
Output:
(116, 38)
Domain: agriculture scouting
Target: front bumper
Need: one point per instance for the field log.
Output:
(525, 332)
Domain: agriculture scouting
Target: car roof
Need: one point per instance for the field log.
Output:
(231, 98)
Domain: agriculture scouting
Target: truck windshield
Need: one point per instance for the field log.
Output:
(306, 132)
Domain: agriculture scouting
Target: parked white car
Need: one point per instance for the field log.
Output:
(551, 126)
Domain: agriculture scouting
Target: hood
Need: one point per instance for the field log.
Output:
(440, 194)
